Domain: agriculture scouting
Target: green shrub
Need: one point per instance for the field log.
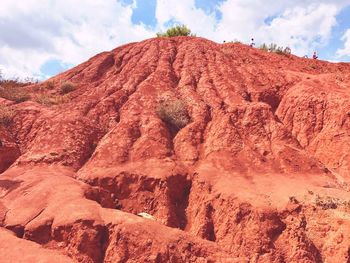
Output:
(67, 87)
(6, 115)
(175, 31)
(174, 114)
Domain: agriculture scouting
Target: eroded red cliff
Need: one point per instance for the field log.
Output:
(260, 173)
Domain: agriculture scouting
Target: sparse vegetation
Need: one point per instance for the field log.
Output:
(14, 89)
(6, 115)
(50, 100)
(174, 114)
(49, 85)
(67, 87)
(327, 202)
(275, 49)
(14, 93)
(180, 30)
(45, 86)
(232, 42)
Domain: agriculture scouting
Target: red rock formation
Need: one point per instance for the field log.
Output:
(260, 173)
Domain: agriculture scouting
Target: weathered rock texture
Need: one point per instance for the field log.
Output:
(261, 172)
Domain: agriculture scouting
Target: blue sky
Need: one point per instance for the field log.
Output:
(42, 38)
(335, 42)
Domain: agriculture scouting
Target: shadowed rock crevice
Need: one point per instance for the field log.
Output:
(6, 186)
(18, 230)
(179, 188)
(40, 234)
(166, 200)
(272, 99)
(9, 150)
(106, 64)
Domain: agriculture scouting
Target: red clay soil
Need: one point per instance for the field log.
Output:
(260, 173)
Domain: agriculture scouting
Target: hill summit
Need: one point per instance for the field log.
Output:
(227, 153)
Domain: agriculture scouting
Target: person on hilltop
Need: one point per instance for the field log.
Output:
(314, 56)
(252, 44)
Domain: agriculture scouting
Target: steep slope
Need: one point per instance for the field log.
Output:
(259, 173)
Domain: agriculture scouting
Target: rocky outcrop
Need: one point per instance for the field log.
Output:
(258, 171)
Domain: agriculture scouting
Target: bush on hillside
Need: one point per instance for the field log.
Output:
(264, 46)
(175, 31)
(6, 115)
(49, 85)
(13, 89)
(67, 87)
(14, 92)
(174, 114)
(50, 99)
(275, 49)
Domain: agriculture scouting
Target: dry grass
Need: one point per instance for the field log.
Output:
(6, 115)
(14, 93)
(174, 114)
(51, 100)
(275, 49)
(49, 85)
(67, 87)
(327, 202)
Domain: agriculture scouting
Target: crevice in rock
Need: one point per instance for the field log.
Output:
(179, 192)
(104, 242)
(106, 64)
(271, 98)
(40, 235)
(103, 197)
(209, 228)
(3, 212)
(17, 229)
(277, 230)
(6, 186)
(36, 216)
(90, 151)
(166, 200)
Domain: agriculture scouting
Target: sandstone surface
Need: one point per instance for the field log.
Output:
(259, 173)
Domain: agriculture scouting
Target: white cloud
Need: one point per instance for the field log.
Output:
(35, 31)
(184, 11)
(302, 28)
(301, 24)
(345, 51)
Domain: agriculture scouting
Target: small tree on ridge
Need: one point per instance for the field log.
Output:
(180, 30)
